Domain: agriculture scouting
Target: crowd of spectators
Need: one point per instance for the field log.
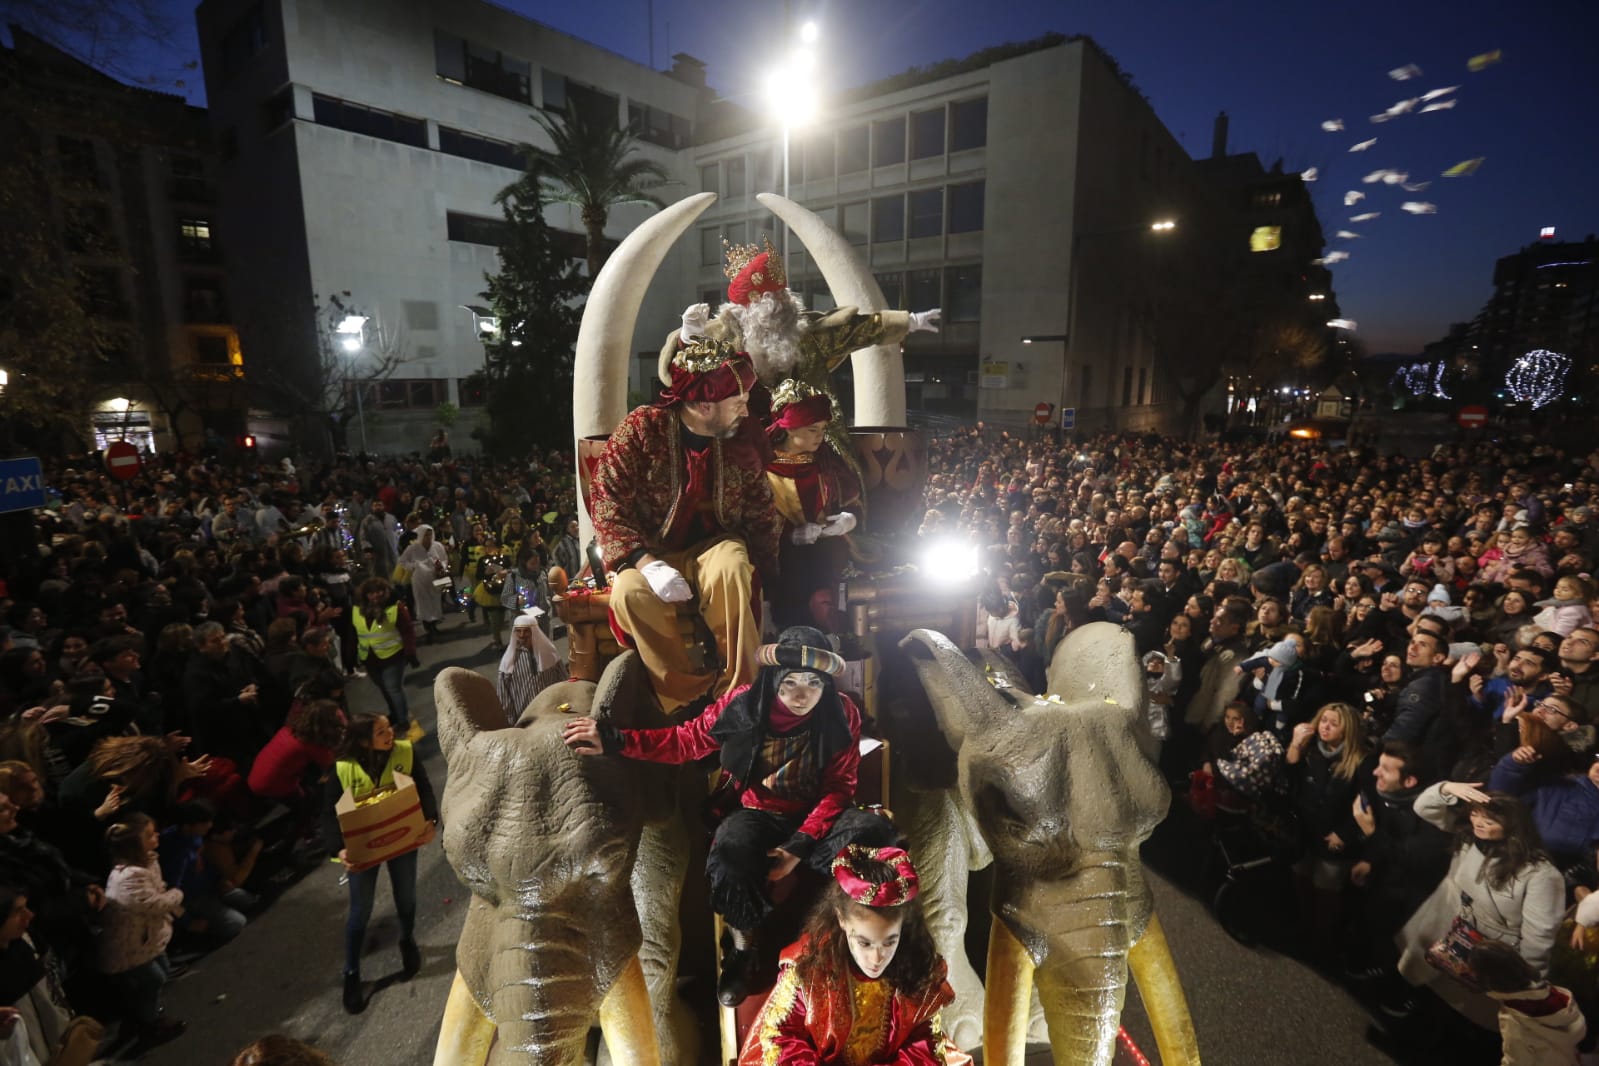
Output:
(1387, 666)
(174, 663)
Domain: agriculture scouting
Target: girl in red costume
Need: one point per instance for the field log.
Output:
(864, 984)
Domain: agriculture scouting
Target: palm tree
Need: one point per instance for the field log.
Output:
(590, 167)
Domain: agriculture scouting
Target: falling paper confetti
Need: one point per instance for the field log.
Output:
(1363, 145)
(1419, 207)
(1402, 107)
(1309, 175)
(1341, 323)
(1405, 73)
(1461, 170)
(1345, 235)
(1379, 175)
(1333, 125)
(1395, 177)
(1366, 217)
(1330, 258)
(1414, 186)
(1441, 105)
(1484, 61)
(1353, 197)
(1433, 94)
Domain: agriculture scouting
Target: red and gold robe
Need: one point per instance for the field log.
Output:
(849, 1021)
(810, 488)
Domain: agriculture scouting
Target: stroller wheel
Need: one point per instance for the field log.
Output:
(1233, 907)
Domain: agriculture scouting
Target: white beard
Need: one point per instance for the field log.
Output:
(769, 330)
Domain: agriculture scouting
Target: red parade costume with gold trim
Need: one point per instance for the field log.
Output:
(850, 1023)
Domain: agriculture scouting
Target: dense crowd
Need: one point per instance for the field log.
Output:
(1384, 666)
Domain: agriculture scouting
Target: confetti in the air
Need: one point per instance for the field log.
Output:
(1419, 207)
(1341, 323)
(1330, 258)
(1310, 174)
(1333, 125)
(1414, 186)
(1439, 105)
(1484, 61)
(1363, 145)
(1346, 235)
(1433, 94)
(1365, 217)
(1387, 177)
(1405, 73)
(1463, 169)
(1402, 107)
(1353, 197)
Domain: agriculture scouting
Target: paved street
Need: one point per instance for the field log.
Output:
(282, 974)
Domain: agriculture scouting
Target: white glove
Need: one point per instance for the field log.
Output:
(838, 525)
(925, 321)
(667, 583)
(695, 321)
(806, 534)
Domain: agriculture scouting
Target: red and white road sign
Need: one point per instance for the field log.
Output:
(1473, 416)
(1041, 413)
(122, 460)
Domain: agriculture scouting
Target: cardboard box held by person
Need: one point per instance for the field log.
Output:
(385, 824)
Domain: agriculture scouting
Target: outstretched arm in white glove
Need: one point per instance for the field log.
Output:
(667, 584)
(925, 321)
(695, 321)
(839, 524)
(806, 534)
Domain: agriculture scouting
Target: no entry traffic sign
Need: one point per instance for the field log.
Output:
(1473, 416)
(1041, 413)
(122, 460)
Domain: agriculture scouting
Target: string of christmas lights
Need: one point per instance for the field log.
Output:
(1538, 378)
(1423, 379)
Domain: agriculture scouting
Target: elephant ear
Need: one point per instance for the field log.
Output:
(467, 706)
(963, 699)
(624, 696)
(1098, 662)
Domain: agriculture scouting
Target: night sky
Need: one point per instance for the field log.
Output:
(1279, 69)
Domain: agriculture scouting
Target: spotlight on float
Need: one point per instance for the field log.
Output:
(946, 560)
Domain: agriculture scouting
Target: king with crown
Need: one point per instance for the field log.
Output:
(766, 320)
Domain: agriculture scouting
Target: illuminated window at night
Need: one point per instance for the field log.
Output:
(1266, 239)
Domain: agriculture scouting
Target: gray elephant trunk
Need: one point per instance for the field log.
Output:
(544, 988)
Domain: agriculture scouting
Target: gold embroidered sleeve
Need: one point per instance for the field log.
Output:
(835, 341)
(779, 1035)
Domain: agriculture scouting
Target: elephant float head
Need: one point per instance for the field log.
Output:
(1063, 792)
(545, 841)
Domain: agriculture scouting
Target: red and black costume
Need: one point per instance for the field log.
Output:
(808, 489)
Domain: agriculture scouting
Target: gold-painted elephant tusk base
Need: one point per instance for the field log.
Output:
(627, 1021)
(1007, 998)
(1155, 972)
(467, 1035)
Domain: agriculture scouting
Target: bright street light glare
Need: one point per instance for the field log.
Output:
(351, 324)
(1165, 225)
(1341, 323)
(1318, 296)
(790, 97)
(810, 32)
(352, 344)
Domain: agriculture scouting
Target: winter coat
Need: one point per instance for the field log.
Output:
(1540, 1027)
(1565, 808)
(1323, 801)
(136, 924)
(1526, 914)
(1562, 616)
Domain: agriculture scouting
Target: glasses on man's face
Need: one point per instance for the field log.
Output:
(1550, 707)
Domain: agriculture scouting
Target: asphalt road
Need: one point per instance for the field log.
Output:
(1250, 1006)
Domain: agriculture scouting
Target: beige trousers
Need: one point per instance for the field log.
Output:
(720, 573)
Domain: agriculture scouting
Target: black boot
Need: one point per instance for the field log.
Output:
(410, 958)
(738, 971)
(354, 995)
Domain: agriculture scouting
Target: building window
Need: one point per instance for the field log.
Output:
(421, 314)
(369, 121)
(763, 172)
(599, 107)
(927, 213)
(554, 90)
(711, 178)
(853, 222)
(194, 235)
(102, 292)
(927, 133)
(203, 300)
(966, 207)
(658, 127)
(483, 149)
(819, 157)
(246, 40)
(888, 218)
(853, 150)
(78, 162)
(475, 229)
(277, 109)
(482, 67)
(818, 297)
(963, 286)
(922, 289)
(710, 247)
(888, 142)
(968, 124)
(1127, 386)
(88, 227)
(893, 286)
(735, 177)
(211, 350)
(1143, 379)
(474, 391)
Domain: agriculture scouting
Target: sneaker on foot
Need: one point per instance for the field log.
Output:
(354, 995)
(410, 959)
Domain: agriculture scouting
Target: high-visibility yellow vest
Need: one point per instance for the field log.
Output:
(355, 779)
(381, 638)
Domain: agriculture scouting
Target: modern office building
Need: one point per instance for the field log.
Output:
(364, 142)
(1545, 296)
(128, 182)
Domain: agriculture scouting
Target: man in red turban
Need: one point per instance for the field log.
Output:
(682, 512)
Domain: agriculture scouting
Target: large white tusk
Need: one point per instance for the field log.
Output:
(879, 371)
(467, 1035)
(627, 1021)
(605, 339)
(1158, 986)
(1007, 999)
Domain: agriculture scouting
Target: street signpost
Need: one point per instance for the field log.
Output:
(122, 460)
(1041, 413)
(1472, 416)
(21, 485)
(1068, 418)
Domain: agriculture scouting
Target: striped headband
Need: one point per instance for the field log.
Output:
(900, 888)
(801, 657)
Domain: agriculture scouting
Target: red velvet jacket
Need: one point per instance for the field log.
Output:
(695, 740)
(821, 1025)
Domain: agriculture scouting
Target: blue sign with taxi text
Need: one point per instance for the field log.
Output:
(21, 485)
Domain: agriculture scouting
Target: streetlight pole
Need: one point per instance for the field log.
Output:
(351, 336)
(789, 96)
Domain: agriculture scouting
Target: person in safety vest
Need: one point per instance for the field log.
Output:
(387, 641)
(368, 760)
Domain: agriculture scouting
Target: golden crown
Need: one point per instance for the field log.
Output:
(739, 256)
(792, 390)
(703, 355)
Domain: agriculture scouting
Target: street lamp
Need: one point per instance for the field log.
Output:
(791, 99)
(1317, 297)
(351, 335)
